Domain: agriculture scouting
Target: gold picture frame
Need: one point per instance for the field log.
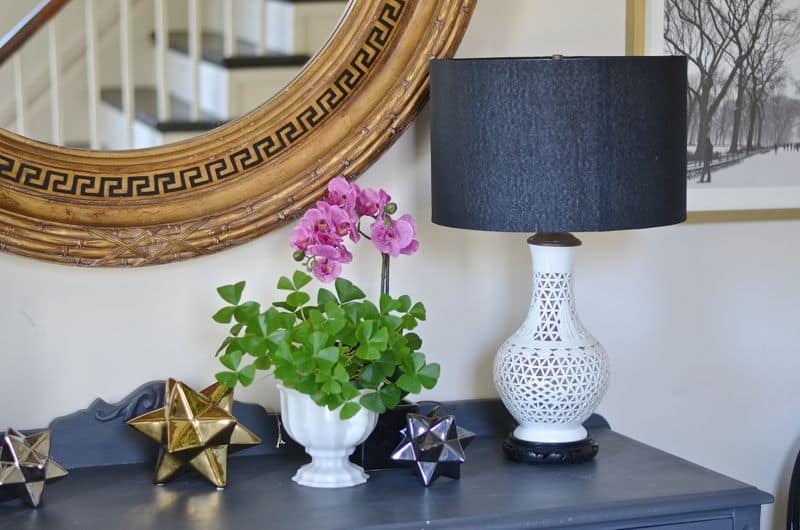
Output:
(141, 207)
(636, 43)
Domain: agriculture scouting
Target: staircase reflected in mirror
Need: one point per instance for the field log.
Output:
(131, 74)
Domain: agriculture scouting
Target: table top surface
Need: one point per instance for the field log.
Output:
(627, 480)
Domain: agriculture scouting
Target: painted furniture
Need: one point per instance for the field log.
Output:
(793, 500)
(628, 485)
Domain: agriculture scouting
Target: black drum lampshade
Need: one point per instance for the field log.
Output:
(558, 144)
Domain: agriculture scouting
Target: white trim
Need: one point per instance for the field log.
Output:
(92, 74)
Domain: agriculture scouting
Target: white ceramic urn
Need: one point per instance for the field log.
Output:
(328, 439)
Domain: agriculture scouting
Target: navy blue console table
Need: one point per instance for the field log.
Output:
(628, 485)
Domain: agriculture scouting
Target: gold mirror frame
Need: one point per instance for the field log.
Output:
(163, 204)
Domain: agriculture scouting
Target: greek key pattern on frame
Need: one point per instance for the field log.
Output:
(47, 180)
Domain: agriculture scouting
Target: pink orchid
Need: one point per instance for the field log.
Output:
(396, 238)
(301, 238)
(319, 237)
(318, 222)
(338, 254)
(413, 246)
(325, 270)
(343, 194)
(371, 202)
(340, 221)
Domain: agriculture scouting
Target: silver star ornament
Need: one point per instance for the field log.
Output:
(26, 466)
(435, 445)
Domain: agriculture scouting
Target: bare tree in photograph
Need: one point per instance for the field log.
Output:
(717, 37)
(765, 68)
(751, 37)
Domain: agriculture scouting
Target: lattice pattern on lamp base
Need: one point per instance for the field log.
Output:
(551, 374)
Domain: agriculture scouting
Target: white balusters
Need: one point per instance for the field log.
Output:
(19, 93)
(92, 73)
(228, 29)
(162, 44)
(261, 13)
(126, 68)
(194, 56)
(56, 132)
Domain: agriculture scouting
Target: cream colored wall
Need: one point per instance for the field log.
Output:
(700, 319)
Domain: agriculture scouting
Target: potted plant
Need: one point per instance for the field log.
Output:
(339, 358)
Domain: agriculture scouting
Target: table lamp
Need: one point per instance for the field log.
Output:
(556, 145)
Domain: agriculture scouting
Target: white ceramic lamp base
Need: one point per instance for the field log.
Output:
(551, 373)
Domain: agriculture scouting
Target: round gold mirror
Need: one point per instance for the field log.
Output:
(197, 196)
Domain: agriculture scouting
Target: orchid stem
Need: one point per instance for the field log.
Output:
(384, 273)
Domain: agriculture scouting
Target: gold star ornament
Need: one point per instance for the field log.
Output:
(25, 466)
(195, 430)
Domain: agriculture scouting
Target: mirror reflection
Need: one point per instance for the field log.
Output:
(129, 74)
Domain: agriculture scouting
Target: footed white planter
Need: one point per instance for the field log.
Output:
(328, 439)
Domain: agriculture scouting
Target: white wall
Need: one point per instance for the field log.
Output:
(700, 319)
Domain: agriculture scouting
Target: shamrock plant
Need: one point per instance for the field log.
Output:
(343, 350)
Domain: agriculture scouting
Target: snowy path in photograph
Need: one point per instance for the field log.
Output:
(767, 169)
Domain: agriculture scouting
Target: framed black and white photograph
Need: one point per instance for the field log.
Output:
(743, 101)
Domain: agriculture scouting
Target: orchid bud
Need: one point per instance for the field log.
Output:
(299, 255)
(390, 208)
